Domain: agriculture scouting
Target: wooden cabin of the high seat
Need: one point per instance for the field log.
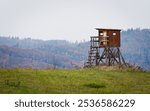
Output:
(109, 37)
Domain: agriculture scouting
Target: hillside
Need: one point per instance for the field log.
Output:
(24, 53)
(73, 81)
(136, 47)
(12, 57)
(30, 53)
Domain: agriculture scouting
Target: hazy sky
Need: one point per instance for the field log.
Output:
(70, 19)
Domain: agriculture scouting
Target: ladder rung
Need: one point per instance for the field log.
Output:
(91, 56)
(92, 53)
(89, 62)
(91, 59)
(95, 46)
(93, 50)
(94, 41)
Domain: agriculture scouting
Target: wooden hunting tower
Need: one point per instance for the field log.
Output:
(104, 48)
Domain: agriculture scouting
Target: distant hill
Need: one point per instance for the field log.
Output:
(11, 57)
(15, 52)
(136, 47)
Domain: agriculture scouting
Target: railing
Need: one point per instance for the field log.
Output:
(99, 41)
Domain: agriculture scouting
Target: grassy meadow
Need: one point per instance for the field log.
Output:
(74, 81)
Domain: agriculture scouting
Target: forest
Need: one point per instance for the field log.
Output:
(31, 53)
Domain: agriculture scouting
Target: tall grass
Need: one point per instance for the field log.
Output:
(74, 81)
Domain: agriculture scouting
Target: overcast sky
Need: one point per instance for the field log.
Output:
(70, 19)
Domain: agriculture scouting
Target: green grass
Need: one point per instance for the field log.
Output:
(74, 81)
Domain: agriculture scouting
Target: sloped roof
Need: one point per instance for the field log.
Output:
(105, 29)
